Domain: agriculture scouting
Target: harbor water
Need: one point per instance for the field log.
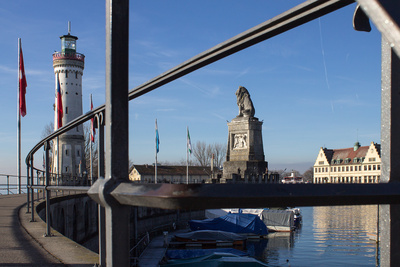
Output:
(328, 236)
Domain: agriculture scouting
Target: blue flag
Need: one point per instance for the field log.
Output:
(157, 139)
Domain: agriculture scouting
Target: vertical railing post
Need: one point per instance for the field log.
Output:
(37, 182)
(389, 215)
(100, 175)
(8, 184)
(117, 162)
(48, 193)
(32, 193)
(27, 188)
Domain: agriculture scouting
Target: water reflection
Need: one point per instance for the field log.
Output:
(345, 228)
(329, 236)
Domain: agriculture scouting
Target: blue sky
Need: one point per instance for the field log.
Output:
(317, 85)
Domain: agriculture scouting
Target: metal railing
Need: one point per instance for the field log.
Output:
(69, 55)
(10, 185)
(115, 193)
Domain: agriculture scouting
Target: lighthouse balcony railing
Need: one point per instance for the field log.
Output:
(115, 192)
(69, 55)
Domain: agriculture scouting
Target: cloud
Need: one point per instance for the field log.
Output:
(6, 69)
(210, 91)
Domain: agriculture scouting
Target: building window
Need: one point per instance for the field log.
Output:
(374, 167)
(343, 169)
(378, 167)
(347, 168)
(321, 163)
(66, 152)
(371, 159)
(334, 169)
(369, 167)
(76, 75)
(66, 74)
(365, 168)
(66, 110)
(355, 168)
(351, 168)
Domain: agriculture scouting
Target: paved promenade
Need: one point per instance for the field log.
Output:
(22, 243)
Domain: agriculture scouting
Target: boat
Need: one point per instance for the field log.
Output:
(174, 254)
(208, 238)
(292, 179)
(239, 223)
(216, 259)
(276, 220)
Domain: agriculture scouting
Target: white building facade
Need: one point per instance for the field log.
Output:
(358, 164)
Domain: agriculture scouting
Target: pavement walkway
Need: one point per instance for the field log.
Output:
(22, 243)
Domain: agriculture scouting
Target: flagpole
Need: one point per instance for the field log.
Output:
(19, 119)
(155, 167)
(187, 155)
(58, 143)
(90, 144)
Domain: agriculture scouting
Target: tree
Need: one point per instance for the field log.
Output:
(308, 175)
(88, 143)
(49, 129)
(203, 153)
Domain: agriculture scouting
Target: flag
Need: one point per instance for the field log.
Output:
(92, 129)
(60, 113)
(189, 144)
(157, 139)
(22, 84)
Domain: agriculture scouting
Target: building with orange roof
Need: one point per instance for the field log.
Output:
(357, 164)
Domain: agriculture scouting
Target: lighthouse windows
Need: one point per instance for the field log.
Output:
(66, 74)
(66, 110)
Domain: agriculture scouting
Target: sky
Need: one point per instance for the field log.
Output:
(314, 86)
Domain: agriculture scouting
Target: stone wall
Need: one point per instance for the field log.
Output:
(76, 217)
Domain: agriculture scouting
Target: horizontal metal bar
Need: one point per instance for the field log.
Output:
(384, 15)
(209, 196)
(61, 188)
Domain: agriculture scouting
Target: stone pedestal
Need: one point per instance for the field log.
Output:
(245, 160)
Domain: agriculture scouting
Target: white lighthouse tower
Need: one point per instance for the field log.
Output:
(69, 150)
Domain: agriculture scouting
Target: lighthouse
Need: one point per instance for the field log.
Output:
(69, 149)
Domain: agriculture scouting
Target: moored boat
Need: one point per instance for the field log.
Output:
(215, 260)
(210, 238)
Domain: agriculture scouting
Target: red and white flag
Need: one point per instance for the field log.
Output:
(92, 129)
(60, 112)
(22, 84)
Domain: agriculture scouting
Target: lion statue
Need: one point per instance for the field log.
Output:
(244, 103)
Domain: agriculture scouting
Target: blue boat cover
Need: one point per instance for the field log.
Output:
(232, 222)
